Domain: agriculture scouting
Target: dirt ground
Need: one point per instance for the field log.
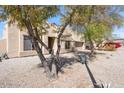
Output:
(26, 73)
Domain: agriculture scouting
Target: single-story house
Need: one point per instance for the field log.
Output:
(16, 43)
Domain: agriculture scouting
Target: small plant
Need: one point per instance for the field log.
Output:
(102, 85)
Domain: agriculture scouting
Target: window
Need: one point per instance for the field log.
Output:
(78, 44)
(27, 43)
(67, 44)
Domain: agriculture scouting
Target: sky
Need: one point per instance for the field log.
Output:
(119, 32)
(55, 20)
(1, 29)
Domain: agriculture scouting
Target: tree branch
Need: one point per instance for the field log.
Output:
(62, 31)
(40, 41)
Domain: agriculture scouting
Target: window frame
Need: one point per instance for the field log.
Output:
(26, 37)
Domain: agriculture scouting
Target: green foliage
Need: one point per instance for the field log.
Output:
(36, 14)
(96, 20)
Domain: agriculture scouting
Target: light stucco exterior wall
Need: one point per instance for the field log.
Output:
(14, 39)
(27, 53)
(74, 37)
(45, 37)
(2, 46)
(21, 45)
(68, 31)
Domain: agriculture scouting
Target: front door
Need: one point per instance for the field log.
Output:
(51, 42)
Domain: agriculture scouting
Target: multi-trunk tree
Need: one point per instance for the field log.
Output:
(34, 18)
(95, 21)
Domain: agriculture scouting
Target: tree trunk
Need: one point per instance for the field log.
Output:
(62, 31)
(88, 35)
(92, 53)
(37, 48)
(58, 39)
(53, 66)
(54, 70)
(55, 58)
(50, 68)
(92, 48)
(52, 63)
(36, 41)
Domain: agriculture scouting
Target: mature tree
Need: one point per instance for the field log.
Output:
(34, 18)
(93, 19)
(96, 20)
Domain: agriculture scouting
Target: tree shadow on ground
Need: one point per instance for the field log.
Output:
(100, 53)
(88, 53)
(65, 62)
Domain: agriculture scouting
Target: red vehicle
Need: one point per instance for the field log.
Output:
(117, 44)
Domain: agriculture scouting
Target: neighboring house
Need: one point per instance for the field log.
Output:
(16, 43)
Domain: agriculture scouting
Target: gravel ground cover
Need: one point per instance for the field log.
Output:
(24, 72)
(110, 68)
